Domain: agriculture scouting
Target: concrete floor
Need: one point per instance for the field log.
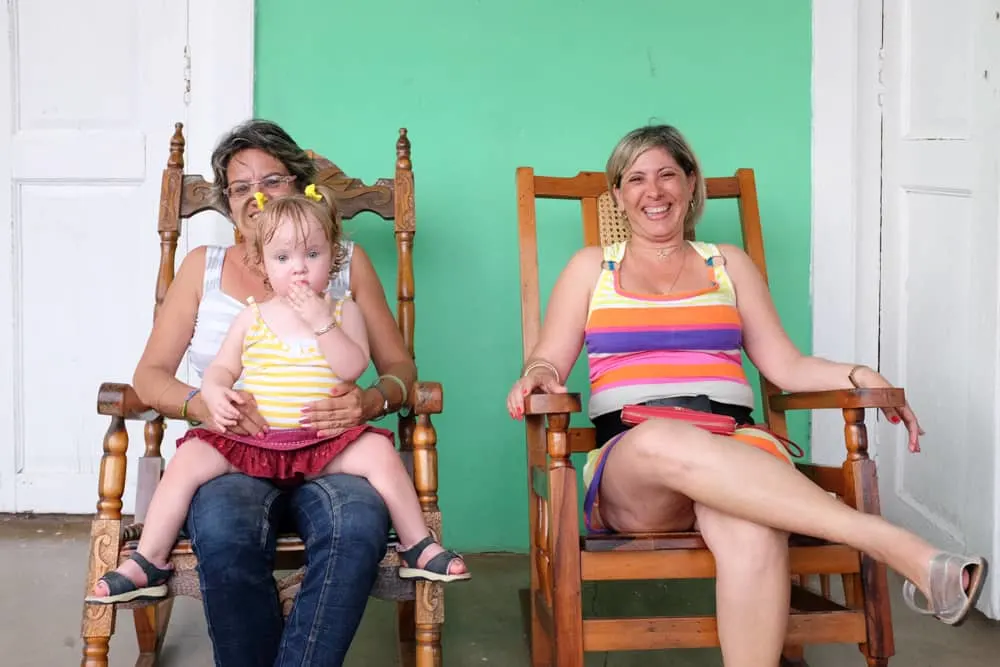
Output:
(42, 563)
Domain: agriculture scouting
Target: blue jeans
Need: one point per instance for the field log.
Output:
(233, 524)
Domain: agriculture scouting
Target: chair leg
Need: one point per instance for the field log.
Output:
(95, 652)
(793, 659)
(406, 633)
(793, 656)
(541, 643)
(150, 629)
(878, 613)
(98, 622)
(429, 617)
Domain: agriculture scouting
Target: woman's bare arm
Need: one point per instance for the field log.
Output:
(154, 379)
(561, 338)
(388, 350)
(227, 366)
(765, 339)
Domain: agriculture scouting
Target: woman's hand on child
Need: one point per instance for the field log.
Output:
(343, 410)
(222, 405)
(315, 310)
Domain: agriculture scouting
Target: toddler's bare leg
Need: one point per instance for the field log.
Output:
(195, 463)
(373, 457)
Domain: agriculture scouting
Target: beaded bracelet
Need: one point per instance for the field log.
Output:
(184, 407)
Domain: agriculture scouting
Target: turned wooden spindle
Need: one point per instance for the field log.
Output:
(855, 434)
(405, 307)
(403, 160)
(111, 482)
(425, 463)
(558, 440)
(428, 637)
(153, 436)
(95, 652)
(170, 207)
(176, 157)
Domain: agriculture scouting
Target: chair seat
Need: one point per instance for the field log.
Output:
(665, 541)
(289, 568)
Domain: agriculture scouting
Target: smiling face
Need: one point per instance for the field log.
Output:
(249, 171)
(298, 252)
(656, 195)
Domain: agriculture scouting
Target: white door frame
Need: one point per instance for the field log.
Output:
(221, 38)
(221, 41)
(846, 197)
(8, 429)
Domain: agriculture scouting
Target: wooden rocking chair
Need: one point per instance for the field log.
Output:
(561, 559)
(420, 609)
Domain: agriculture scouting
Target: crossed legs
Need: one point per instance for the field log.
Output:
(663, 475)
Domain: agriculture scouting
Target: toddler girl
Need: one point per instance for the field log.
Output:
(289, 350)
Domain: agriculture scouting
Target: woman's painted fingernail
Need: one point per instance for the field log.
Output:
(894, 420)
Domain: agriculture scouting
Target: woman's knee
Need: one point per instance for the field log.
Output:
(231, 518)
(737, 541)
(341, 509)
(664, 446)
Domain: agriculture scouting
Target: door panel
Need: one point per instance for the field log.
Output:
(938, 329)
(92, 98)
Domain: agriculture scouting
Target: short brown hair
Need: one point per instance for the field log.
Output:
(300, 210)
(263, 135)
(669, 138)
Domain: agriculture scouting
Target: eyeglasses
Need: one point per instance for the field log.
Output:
(241, 189)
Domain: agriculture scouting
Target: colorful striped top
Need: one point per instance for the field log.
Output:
(642, 347)
(284, 376)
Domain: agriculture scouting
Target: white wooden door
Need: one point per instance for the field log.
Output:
(89, 92)
(939, 293)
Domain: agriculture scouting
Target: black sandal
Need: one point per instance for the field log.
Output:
(436, 568)
(123, 589)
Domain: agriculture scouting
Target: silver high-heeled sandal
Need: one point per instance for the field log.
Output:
(950, 602)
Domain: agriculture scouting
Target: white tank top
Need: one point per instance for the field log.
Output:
(217, 310)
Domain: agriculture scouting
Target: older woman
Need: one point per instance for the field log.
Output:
(664, 321)
(234, 520)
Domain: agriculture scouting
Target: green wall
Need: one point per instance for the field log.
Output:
(486, 87)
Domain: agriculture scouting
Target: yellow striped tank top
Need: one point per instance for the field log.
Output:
(284, 376)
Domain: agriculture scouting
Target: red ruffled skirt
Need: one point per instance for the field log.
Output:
(282, 454)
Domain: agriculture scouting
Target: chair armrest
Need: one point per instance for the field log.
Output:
(426, 398)
(551, 404)
(120, 400)
(840, 399)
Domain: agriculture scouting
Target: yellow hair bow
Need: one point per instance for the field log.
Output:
(261, 199)
(312, 194)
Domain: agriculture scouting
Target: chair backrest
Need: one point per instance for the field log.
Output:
(604, 225)
(182, 196)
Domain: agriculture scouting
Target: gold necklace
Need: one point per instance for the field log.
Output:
(680, 270)
(663, 253)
